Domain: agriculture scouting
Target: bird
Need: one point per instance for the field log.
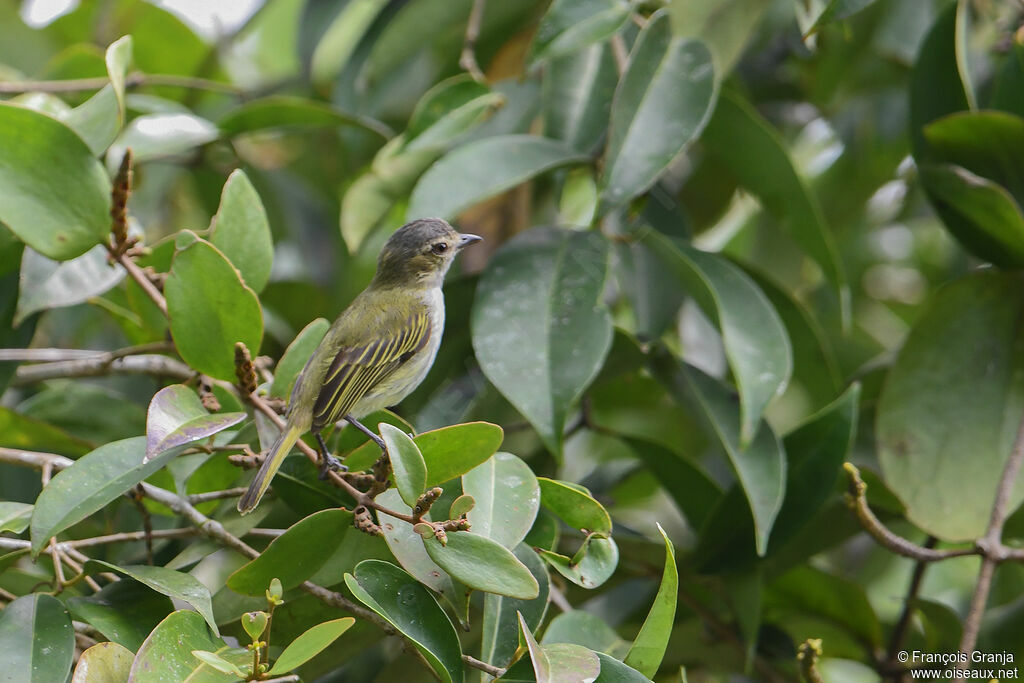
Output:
(377, 351)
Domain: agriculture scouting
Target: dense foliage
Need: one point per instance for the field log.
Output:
(734, 385)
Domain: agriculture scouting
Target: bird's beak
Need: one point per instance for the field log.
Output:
(465, 239)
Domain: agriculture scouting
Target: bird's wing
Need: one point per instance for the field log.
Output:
(357, 368)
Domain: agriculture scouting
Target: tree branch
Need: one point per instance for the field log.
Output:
(99, 366)
(133, 80)
(991, 547)
(899, 632)
(467, 60)
(856, 498)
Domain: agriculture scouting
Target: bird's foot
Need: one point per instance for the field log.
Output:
(328, 463)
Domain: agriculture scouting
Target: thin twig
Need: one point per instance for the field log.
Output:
(620, 53)
(856, 498)
(992, 548)
(133, 80)
(467, 60)
(198, 498)
(488, 669)
(899, 632)
(50, 355)
(143, 281)
(98, 366)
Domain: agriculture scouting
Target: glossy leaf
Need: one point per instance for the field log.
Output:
(577, 627)
(540, 331)
(555, 663)
(570, 25)
(159, 136)
(598, 563)
(409, 607)
(123, 611)
(575, 506)
(755, 154)
(37, 640)
(837, 10)
(409, 551)
(59, 230)
(173, 584)
(931, 411)
(218, 663)
(295, 555)
(296, 356)
(18, 431)
(282, 111)
(614, 671)
(340, 39)
(662, 103)
(506, 499)
(650, 644)
(241, 231)
(407, 465)
(47, 284)
(500, 620)
(483, 564)
(167, 652)
(104, 663)
(211, 309)
(935, 85)
(99, 119)
(746, 320)
(449, 452)
(483, 168)
(760, 468)
(92, 482)
(14, 517)
(987, 143)
(176, 417)
(725, 26)
(447, 111)
(310, 644)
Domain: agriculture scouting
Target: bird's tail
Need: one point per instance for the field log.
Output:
(275, 456)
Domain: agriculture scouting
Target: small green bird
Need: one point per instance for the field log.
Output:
(377, 351)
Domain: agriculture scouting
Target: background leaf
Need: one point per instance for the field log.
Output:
(506, 496)
(37, 639)
(241, 231)
(176, 417)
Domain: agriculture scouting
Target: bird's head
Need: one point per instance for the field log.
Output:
(420, 253)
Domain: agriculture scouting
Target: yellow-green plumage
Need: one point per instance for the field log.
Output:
(379, 349)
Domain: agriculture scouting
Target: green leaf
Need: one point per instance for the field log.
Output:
(982, 215)
(409, 607)
(340, 38)
(37, 640)
(211, 309)
(449, 452)
(600, 557)
(14, 517)
(310, 644)
(18, 431)
(295, 555)
(506, 497)
(935, 86)
(100, 118)
(63, 229)
(296, 356)
(483, 564)
(104, 663)
(942, 628)
(123, 611)
(575, 506)
(538, 658)
(987, 143)
(837, 10)
(571, 25)
(173, 584)
(746, 320)
(557, 663)
(484, 168)
(932, 411)
(217, 662)
(578, 203)
(47, 284)
(407, 547)
(167, 653)
(650, 644)
(447, 111)
(241, 231)
(725, 26)
(754, 153)
(92, 482)
(614, 671)
(577, 627)
(407, 465)
(760, 468)
(176, 417)
(159, 136)
(662, 102)
(500, 620)
(281, 111)
(540, 331)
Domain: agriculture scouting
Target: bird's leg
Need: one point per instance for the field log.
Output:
(327, 461)
(365, 430)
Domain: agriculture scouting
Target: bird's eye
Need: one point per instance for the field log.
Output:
(440, 248)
